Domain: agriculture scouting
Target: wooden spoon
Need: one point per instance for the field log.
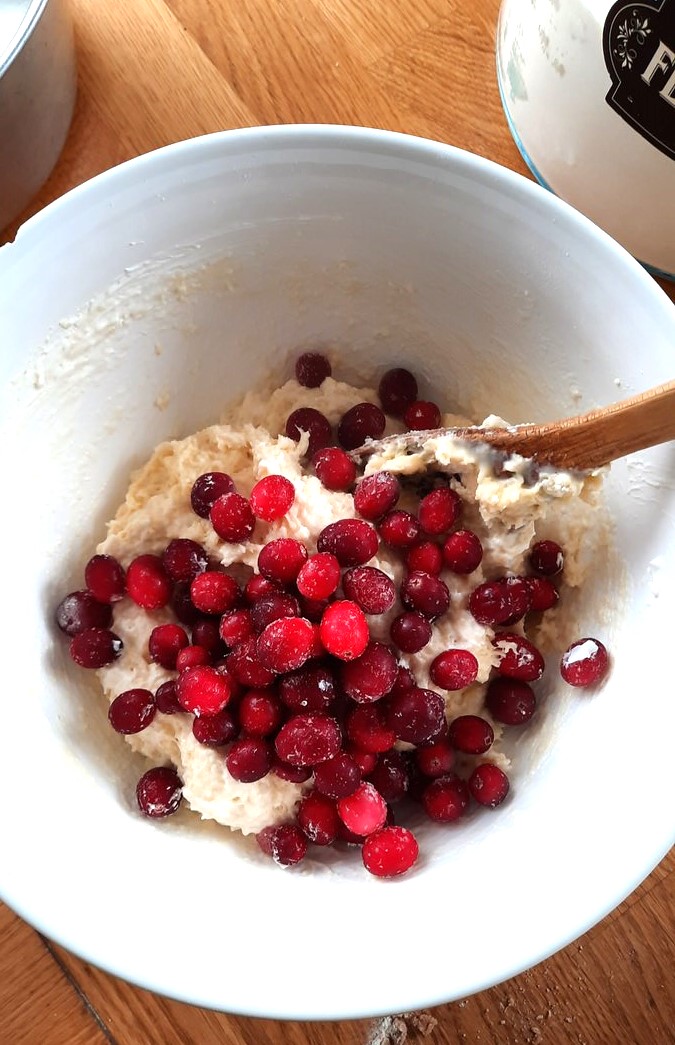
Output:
(574, 443)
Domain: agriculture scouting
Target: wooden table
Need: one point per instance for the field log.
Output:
(156, 71)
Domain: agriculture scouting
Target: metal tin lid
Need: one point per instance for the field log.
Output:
(16, 21)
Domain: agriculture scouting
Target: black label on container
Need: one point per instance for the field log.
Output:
(639, 46)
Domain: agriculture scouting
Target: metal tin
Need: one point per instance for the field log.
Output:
(37, 96)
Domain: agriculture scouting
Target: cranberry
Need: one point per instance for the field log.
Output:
(363, 421)
(367, 728)
(148, 583)
(132, 711)
(416, 715)
(546, 558)
(236, 627)
(203, 690)
(404, 680)
(213, 592)
(215, 730)
(159, 791)
(244, 664)
(399, 529)
(191, 657)
(105, 578)
(436, 759)
(248, 760)
(370, 676)
(410, 632)
(257, 587)
(365, 760)
(273, 607)
(471, 734)
(95, 647)
(426, 594)
(287, 844)
(338, 777)
(295, 774)
(351, 541)
(281, 559)
(344, 630)
(543, 593)
(184, 559)
(390, 852)
(207, 489)
(364, 811)
(426, 557)
(319, 576)
(489, 785)
(390, 776)
(439, 510)
(310, 689)
(183, 606)
(422, 415)
(369, 588)
(166, 699)
(259, 712)
(584, 663)
(376, 494)
(446, 799)
(453, 669)
(335, 469)
(462, 552)
(316, 424)
(285, 644)
(80, 611)
(318, 819)
(164, 644)
(510, 702)
(205, 633)
(232, 518)
(503, 601)
(312, 369)
(272, 497)
(397, 390)
(520, 659)
(306, 740)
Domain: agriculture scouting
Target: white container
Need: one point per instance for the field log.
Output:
(211, 262)
(588, 87)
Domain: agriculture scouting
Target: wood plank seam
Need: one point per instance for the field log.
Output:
(78, 990)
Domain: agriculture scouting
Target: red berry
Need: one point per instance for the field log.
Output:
(317, 426)
(510, 702)
(192, 657)
(215, 730)
(344, 630)
(245, 666)
(236, 627)
(410, 632)
(286, 844)
(294, 774)
(312, 369)
(352, 541)
(520, 659)
(258, 587)
(399, 529)
(159, 792)
(248, 760)
(306, 740)
(335, 468)
(319, 576)
(462, 552)
(390, 852)
(471, 734)
(272, 497)
(397, 390)
(368, 730)
(404, 680)
(164, 644)
(273, 607)
(95, 647)
(436, 759)
(232, 518)
(489, 785)
(364, 811)
(285, 644)
(369, 588)
(105, 578)
(425, 594)
(503, 601)
(213, 592)
(439, 510)
(148, 583)
(183, 606)
(184, 559)
(80, 610)
(543, 593)
(206, 490)
(259, 712)
(453, 669)
(584, 663)
(391, 776)
(546, 558)
(338, 777)
(205, 633)
(202, 690)
(280, 560)
(361, 422)
(370, 676)
(426, 557)
(416, 715)
(376, 494)
(422, 415)
(446, 799)
(365, 760)
(318, 819)
(166, 699)
(310, 689)
(132, 711)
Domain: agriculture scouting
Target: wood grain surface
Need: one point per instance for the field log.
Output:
(157, 71)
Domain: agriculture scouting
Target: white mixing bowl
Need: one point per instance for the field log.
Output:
(132, 310)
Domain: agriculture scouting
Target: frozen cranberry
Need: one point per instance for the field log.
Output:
(489, 785)
(404, 679)
(248, 760)
(335, 469)
(520, 659)
(368, 730)
(259, 712)
(272, 497)
(422, 415)
(426, 557)
(132, 711)
(376, 494)
(364, 811)
(285, 644)
(184, 559)
(164, 644)
(273, 607)
(410, 632)
(148, 583)
(369, 588)
(280, 560)
(370, 676)
(453, 669)
(306, 740)
(399, 529)
(319, 576)
(191, 657)
(312, 369)
(584, 663)
(206, 633)
(338, 777)
(232, 518)
(543, 593)
(503, 601)
(390, 852)
(425, 594)
(397, 390)
(316, 424)
(294, 774)
(439, 510)
(416, 715)
(80, 611)
(206, 490)
(310, 689)
(365, 760)
(215, 730)
(244, 664)
(390, 776)
(344, 630)
(361, 422)
(257, 587)
(436, 759)
(462, 552)
(471, 734)
(202, 690)
(235, 627)
(318, 819)
(288, 845)
(213, 592)
(183, 606)
(510, 702)
(351, 541)
(446, 799)
(546, 558)
(95, 647)
(159, 791)
(105, 578)
(166, 699)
